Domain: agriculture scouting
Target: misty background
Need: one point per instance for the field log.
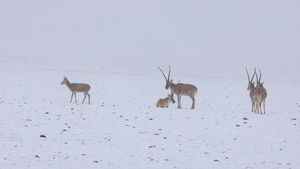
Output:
(198, 33)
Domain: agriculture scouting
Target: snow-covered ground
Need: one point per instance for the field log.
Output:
(122, 128)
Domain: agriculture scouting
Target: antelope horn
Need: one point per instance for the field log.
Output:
(248, 74)
(257, 82)
(162, 73)
(259, 75)
(253, 75)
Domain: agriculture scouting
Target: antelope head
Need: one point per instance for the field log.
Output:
(168, 81)
(64, 80)
(258, 83)
(250, 83)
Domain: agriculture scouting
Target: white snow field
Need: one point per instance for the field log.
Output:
(122, 128)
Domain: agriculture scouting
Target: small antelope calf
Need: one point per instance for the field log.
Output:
(164, 103)
(77, 87)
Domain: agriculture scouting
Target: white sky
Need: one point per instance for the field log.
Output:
(196, 32)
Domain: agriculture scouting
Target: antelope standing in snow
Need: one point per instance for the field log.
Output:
(77, 87)
(180, 89)
(260, 94)
(164, 103)
(251, 89)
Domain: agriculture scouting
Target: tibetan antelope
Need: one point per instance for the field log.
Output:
(77, 87)
(251, 89)
(180, 89)
(260, 94)
(164, 103)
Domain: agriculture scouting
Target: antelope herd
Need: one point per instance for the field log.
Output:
(257, 93)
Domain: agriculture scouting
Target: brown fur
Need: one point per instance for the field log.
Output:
(251, 89)
(251, 94)
(164, 103)
(77, 87)
(260, 97)
(260, 94)
(181, 89)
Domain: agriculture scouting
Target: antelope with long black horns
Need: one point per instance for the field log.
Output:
(260, 94)
(180, 89)
(251, 89)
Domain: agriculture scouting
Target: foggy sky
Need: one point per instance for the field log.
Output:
(198, 33)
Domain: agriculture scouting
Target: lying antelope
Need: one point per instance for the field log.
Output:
(251, 88)
(77, 87)
(180, 89)
(260, 94)
(164, 103)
